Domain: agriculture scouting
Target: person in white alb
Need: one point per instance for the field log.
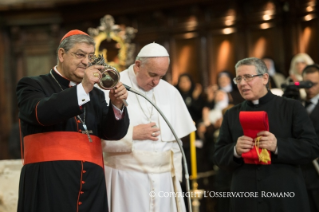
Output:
(144, 168)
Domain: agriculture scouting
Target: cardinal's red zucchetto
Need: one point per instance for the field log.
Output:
(73, 32)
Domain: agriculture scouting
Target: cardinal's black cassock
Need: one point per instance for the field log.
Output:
(63, 170)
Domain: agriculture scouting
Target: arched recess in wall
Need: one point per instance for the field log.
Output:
(186, 56)
(222, 55)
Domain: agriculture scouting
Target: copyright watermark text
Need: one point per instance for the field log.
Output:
(226, 194)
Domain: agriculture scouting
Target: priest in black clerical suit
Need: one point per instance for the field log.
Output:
(291, 141)
(311, 175)
(63, 117)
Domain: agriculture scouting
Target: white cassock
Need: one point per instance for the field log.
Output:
(142, 175)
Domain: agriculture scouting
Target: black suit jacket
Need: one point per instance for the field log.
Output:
(310, 174)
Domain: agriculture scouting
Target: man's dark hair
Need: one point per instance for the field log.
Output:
(310, 69)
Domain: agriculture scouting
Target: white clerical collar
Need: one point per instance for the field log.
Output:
(315, 99)
(71, 84)
(255, 102)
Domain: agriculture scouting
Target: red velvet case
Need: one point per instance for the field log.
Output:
(253, 122)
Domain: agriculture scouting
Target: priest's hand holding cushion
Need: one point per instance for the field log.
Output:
(267, 141)
(244, 144)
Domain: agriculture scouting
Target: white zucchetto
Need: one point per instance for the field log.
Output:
(153, 50)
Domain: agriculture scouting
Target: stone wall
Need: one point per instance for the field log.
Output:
(9, 184)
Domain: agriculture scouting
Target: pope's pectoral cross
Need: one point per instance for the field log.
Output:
(86, 131)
